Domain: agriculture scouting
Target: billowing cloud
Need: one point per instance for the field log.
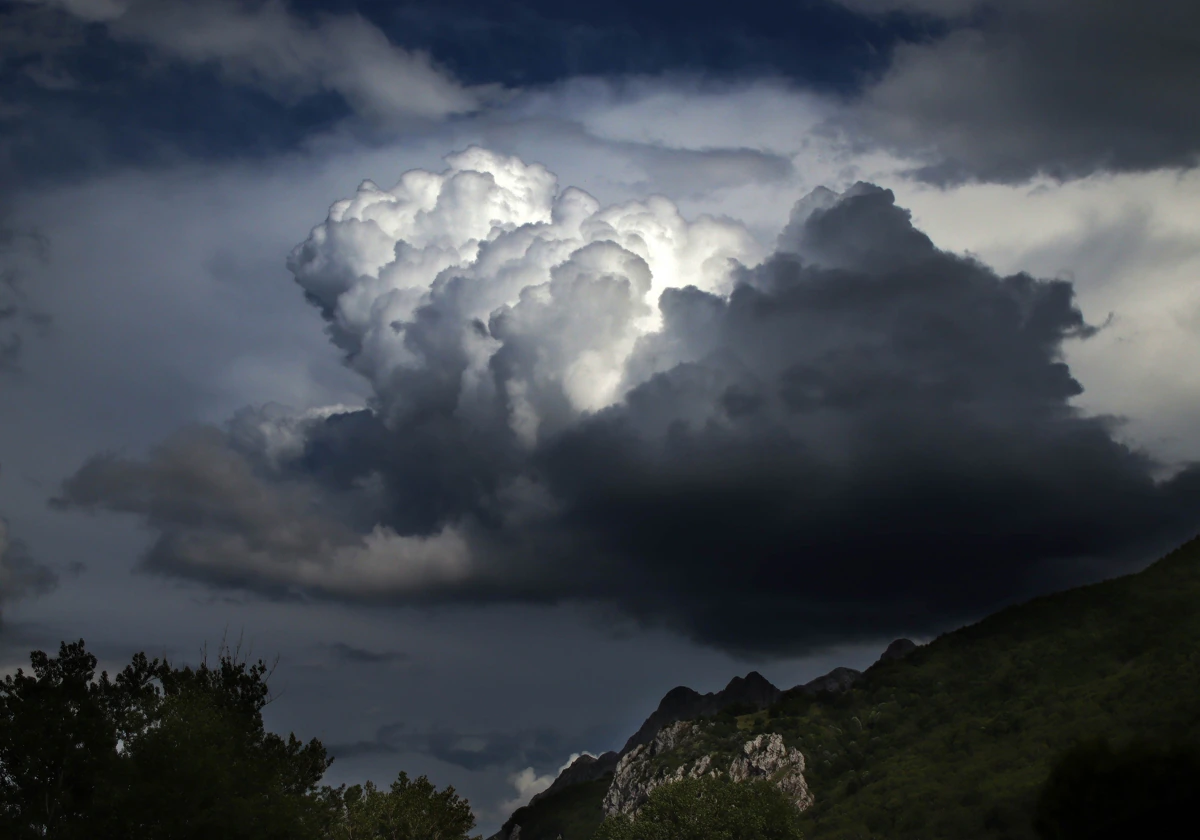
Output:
(267, 45)
(1058, 87)
(857, 435)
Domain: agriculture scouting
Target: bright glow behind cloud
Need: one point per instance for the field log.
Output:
(531, 260)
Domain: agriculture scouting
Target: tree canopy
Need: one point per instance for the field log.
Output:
(180, 753)
(1098, 792)
(408, 810)
(709, 808)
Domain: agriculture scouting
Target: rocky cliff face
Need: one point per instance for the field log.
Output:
(638, 769)
(641, 770)
(766, 757)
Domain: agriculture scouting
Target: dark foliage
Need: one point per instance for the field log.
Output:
(709, 808)
(165, 753)
(410, 809)
(1096, 792)
(572, 813)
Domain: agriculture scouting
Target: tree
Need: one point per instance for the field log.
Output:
(208, 768)
(709, 808)
(60, 729)
(1096, 792)
(165, 753)
(408, 810)
(157, 752)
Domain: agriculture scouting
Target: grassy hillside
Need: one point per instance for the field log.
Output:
(955, 740)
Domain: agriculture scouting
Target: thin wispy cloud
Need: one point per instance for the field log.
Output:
(269, 46)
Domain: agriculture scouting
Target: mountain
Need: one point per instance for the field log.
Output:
(682, 703)
(590, 777)
(947, 740)
(586, 768)
(750, 693)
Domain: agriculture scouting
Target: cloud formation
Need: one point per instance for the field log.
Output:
(266, 45)
(351, 655)
(17, 316)
(469, 750)
(20, 574)
(1025, 87)
(858, 435)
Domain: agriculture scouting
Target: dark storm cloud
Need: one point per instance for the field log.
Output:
(877, 439)
(1026, 87)
(867, 436)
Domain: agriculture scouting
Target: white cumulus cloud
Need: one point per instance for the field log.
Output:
(529, 784)
(559, 288)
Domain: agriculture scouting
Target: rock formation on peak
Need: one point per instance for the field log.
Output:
(763, 757)
(683, 703)
(671, 723)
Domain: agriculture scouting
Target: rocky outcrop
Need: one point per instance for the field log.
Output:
(763, 757)
(766, 757)
(636, 771)
(636, 774)
(683, 703)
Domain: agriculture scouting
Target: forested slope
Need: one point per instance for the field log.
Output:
(956, 739)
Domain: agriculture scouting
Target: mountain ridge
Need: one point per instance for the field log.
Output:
(954, 738)
(682, 703)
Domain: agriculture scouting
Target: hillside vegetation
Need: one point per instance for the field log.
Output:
(956, 739)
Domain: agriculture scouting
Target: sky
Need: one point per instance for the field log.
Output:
(499, 366)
